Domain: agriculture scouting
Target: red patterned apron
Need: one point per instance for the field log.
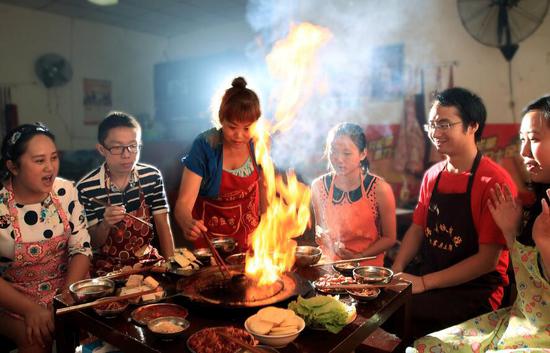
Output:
(234, 213)
(38, 268)
(353, 224)
(126, 241)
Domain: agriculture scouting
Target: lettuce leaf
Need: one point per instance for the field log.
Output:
(323, 311)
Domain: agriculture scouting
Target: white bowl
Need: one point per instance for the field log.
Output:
(277, 341)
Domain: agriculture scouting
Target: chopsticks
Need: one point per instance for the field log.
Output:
(364, 286)
(150, 225)
(344, 261)
(119, 273)
(101, 302)
(244, 345)
(219, 261)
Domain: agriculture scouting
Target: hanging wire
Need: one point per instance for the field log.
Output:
(512, 102)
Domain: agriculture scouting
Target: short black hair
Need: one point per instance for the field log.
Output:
(115, 119)
(469, 105)
(541, 104)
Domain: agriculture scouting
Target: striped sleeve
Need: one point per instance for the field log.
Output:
(153, 186)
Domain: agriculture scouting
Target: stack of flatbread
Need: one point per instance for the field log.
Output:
(275, 321)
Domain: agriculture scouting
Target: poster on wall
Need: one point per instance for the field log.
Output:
(97, 100)
(386, 74)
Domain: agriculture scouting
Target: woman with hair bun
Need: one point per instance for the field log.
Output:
(44, 244)
(220, 186)
(354, 209)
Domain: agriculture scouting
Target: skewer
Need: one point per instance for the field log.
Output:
(244, 345)
(344, 261)
(219, 261)
(102, 302)
(150, 225)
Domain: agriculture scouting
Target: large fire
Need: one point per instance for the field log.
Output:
(293, 63)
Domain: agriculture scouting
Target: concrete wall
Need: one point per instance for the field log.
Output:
(95, 51)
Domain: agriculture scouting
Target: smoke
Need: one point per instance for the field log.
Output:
(346, 63)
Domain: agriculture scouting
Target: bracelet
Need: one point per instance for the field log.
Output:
(423, 283)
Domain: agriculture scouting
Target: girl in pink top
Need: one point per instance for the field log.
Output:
(354, 210)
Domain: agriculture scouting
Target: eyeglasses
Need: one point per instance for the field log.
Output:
(117, 150)
(440, 126)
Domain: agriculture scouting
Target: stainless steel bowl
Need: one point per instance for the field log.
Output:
(364, 295)
(307, 255)
(224, 245)
(91, 289)
(168, 327)
(203, 255)
(236, 259)
(346, 268)
(372, 274)
(111, 309)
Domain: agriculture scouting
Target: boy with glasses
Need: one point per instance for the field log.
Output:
(464, 256)
(125, 201)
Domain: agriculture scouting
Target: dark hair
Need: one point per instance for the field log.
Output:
(115, 119)
(15, 143)
(239, 104)
(469, 105)
(357, 136)
(531, 212)
(541, 104)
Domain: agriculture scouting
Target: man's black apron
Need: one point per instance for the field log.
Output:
(450, 236)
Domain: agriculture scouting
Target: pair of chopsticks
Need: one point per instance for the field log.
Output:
(219, 261)
(344, 261)
(133, 271)
(364, 286)
(150, 225)
(244, 345)
(105, 301)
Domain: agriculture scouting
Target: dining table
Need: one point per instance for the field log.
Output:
(129, 336)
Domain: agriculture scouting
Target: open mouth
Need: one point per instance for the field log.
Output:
(48, 179)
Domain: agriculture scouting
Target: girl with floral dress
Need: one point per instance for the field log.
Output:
(44, 244)
(525, 326)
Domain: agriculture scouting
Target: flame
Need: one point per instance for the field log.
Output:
(293, 62)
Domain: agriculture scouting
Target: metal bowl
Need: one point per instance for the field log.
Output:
(372, 274)
(111, 309)
(91, 289)
(203, 255)
(224, 245)
(346, 268)
(236, 259)
(168, 327)
(363, 295)
(307, 255)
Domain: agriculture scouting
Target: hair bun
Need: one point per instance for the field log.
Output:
(239, 82)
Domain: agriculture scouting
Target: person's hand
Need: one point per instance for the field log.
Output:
(113, 215)
(193, 228)
(506, 211)
(541, 227)
(417, 282)
(39, 324)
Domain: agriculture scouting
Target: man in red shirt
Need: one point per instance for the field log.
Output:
(464, 260)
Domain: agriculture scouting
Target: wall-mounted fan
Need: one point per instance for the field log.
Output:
(53, 70)
(502, 23)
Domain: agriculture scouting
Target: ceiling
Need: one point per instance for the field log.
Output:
(166, 18)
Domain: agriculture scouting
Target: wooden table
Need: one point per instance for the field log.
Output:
(123, 333)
